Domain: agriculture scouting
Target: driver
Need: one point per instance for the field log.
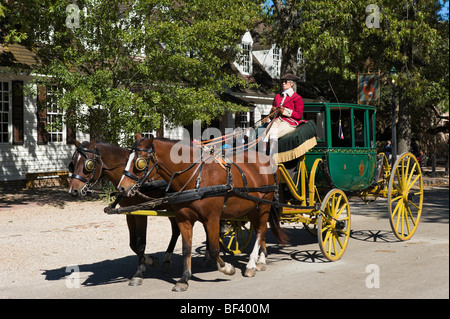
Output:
(290, 111)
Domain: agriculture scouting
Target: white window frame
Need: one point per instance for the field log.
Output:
(8, 113)
(276, 58)
(246, 58)
(54, 136)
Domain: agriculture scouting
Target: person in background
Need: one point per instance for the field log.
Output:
(422, 159)
(388, 150)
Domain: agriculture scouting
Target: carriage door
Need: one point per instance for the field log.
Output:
(364, 159)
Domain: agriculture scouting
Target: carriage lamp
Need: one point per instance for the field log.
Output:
(394, 125)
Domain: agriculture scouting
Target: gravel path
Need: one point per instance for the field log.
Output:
(46, 230)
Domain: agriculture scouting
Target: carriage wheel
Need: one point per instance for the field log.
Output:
(235, 236)
(405, 196)
(333, 230)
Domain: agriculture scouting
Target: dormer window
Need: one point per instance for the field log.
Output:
(276, 57)
(244, 60)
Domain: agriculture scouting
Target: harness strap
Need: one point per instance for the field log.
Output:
(244, 178)
(81, 178)
(230, 184)
(199, 177)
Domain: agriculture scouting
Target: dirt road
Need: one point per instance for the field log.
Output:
(46, 234)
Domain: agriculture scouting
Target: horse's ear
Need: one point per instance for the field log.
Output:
(77, 143)
(138, 136)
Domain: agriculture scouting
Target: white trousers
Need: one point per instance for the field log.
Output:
(278, 129)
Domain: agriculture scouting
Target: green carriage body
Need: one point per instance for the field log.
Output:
(352, 160)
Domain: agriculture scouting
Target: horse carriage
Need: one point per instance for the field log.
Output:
(330, 157)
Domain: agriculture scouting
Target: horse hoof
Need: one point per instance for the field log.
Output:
(249, 272)
(180, 287)
(135, 281)
(260, 267)
(227, 269)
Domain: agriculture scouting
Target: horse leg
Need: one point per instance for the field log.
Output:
(250, 269)
(261, 264)
(137, 226)
(257, 260)
(207, 258)
(173, 240)
(212, 230)
(185, 226)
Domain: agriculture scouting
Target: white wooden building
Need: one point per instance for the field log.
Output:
(26, 147)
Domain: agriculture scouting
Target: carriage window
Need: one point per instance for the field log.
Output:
(358, 122)
(316, 117)
(341, 134)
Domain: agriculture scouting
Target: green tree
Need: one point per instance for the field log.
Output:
(338, 37)
(122, 64)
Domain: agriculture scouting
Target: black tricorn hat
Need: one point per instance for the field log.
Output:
(290, 77)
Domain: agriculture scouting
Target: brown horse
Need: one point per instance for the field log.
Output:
(193, 173)
(95, 160)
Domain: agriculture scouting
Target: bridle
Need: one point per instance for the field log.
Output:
(142, 164)
(89, 167)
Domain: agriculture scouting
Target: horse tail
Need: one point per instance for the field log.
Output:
(275, 226)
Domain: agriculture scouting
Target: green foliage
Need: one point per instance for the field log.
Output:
(337, 43)
(129, 62)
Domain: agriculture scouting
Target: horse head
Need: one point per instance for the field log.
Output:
(86, 168)
(138, 169)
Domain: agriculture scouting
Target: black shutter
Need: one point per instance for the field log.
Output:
(42, 115)
(71, 129)
(17, 112)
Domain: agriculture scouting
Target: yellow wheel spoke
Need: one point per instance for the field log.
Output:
(334, 245)
(398, 216)
(414, 204)
(396, 198)
(410, 214)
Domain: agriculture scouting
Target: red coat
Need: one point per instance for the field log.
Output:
(294, 103)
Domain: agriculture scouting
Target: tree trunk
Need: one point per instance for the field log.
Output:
(404, 127)
(289, 62)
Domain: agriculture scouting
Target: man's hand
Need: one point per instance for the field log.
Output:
(272, 110)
